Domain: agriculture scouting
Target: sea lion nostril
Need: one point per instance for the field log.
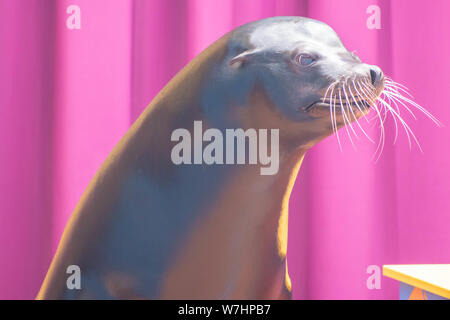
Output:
(375, 75)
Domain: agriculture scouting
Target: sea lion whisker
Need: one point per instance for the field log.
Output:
(370, 101)
(368, 92)
(347, 99)
(331, 112)
(394, 87)
(398, 86)
(395, 92)
(418, 106)
(332, 85)
(345, 106)
(401, 102)
(380, 145)
(380, 141)
(393, 116)
(386, 93)
(333, 117)
(369, 85)
(373, 97)
(395, 100)
(354, 116)
(407, 128)
(346, 120)
(349, 103)
(354, 99)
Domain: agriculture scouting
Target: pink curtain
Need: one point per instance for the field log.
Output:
(67, 96)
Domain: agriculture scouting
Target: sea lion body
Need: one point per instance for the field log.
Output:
(148, 228)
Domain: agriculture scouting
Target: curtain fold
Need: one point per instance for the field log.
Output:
(68, 96)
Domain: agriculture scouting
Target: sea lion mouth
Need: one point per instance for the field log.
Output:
(337, 106)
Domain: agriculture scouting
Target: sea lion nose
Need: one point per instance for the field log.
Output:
(376, 75)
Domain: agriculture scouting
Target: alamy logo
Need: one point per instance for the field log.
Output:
(374, 280)
(190, 150)
(74, 20)
(74, 280)
(374, 20)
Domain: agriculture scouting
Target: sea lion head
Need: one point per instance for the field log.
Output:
(301, 66)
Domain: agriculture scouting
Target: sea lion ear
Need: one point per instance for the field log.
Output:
(240, 59)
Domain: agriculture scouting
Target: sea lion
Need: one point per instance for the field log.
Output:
(149, 228)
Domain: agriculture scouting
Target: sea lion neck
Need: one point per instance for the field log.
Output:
(240, 236)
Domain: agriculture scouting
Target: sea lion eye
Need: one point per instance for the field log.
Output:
(305, 59)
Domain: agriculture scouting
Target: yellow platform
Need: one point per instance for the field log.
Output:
(434, 278)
